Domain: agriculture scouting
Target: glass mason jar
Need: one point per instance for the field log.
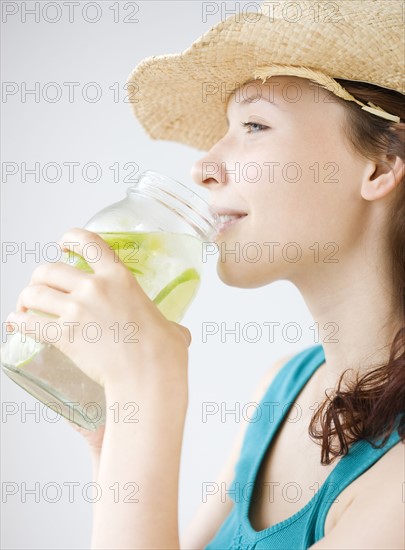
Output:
(158, 232)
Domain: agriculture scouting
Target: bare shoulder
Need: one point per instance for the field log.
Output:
(272, 372)
(388, 473)
(374, 515)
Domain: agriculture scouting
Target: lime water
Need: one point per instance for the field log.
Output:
(167, 266)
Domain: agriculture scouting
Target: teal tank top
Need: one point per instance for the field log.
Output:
(306, 526)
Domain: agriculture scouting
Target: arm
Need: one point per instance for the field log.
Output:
(211, 515)
(136, 504)
(95, 442)
(139, 469)
(95, 464)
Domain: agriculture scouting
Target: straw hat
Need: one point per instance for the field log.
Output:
(183, 97)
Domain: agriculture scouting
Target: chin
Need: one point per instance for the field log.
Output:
(241, 275)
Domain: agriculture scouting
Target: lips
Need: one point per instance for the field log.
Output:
(226, 219)
(227, 211)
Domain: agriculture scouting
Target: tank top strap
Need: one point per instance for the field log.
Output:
(360, 457)
(274, 405)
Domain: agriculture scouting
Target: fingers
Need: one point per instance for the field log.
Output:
(35, 326)
(42, 298)
(103, 259)
(92, 247)
(60, 276)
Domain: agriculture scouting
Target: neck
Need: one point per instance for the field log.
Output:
(355, 309)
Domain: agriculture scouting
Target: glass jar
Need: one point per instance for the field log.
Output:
(158, 232)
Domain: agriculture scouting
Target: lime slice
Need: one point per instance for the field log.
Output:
(174, 298)
(127, 247)
(76, 260)
(20, 350)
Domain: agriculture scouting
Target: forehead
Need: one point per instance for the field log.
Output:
(299, 99)
(280, 91)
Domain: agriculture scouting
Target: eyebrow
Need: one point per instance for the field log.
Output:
(256, 99)
(248, 100)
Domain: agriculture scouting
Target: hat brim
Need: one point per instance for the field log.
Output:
(183, 97)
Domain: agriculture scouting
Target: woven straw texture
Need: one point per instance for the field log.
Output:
(183, 97)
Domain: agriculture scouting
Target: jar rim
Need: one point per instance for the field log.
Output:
(180, 198)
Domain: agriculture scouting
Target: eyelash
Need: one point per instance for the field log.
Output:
(248, 126)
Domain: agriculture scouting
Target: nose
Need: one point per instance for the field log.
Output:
(209, 171)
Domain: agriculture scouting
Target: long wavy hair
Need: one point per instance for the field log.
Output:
(373, 405)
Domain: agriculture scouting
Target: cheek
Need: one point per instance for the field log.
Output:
(316, 200)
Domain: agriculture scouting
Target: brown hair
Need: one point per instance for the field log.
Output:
(373, 405)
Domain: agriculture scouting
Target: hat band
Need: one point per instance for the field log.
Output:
(326, 82)
(378, 111)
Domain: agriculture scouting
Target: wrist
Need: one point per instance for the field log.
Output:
(132, 401)
(94, 453)
(165, 380)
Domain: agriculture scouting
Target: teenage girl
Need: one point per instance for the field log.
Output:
(345, 451)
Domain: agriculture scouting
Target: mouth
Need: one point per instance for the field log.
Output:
(227, 220)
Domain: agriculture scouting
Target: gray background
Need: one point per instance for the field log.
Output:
(33, 449)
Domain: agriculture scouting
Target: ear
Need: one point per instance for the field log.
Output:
(382, 177)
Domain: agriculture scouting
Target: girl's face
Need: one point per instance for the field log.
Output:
(286, 164)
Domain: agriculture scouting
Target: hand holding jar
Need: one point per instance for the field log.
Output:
(113, 302)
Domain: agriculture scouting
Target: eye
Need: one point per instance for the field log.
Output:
(254, 127)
